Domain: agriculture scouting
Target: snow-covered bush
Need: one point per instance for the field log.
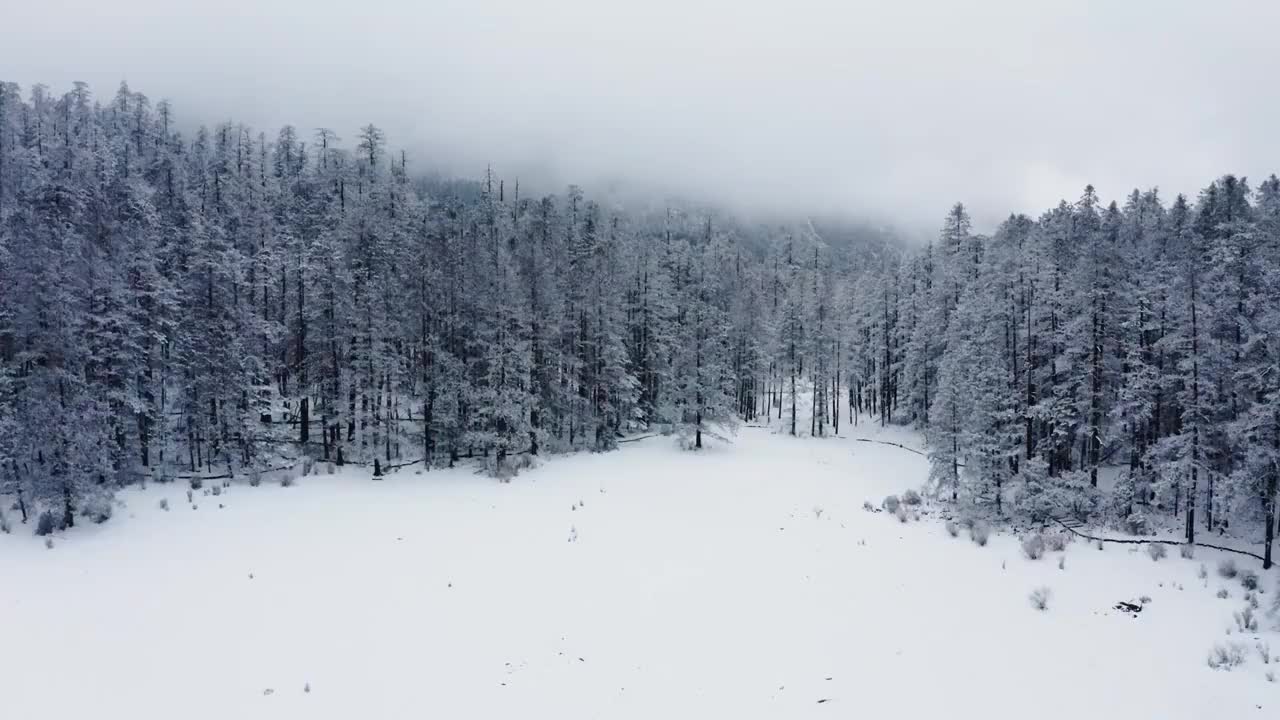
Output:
(197, 482)
(1187, 551)
(979, 532)
(1040, 598)
(1137, 524)
(890, 503)
(190, 496)
(286, 480)
(1227, 568)
(817, 511)
(1062, 562)
(45, 524)
(1056, 541)
(1203, 573)
(98, 509)
(1223, 594)
(164, 504)
(217, 490)
(48, 543)
(1249, 579)
(1033, 546)
(911, 497)
(1226, 657)
(953, 528)
(255, 477)
(901, 514)
(330, 468)
(1246, 621)
(4, 524)
(1264, 652)
(1157, 551)
(866, 505)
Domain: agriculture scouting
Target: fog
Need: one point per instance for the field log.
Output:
(882, 111)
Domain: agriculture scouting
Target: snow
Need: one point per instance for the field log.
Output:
(650, 582)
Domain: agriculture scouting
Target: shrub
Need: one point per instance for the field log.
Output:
(1040, 598)
(4, 524)
(980, 532)
(1246, 621)
(1137, 524)
(1223, 594)
(286, 480)
(330, 468)
(1227, 568)
(45, 524)
(1225, 657)
(817, 511)
(1033, 546)
(255, 477)
(307, 466)
(1249, 579)
(1062, 562)
(1101, 545)
(901, 514)
(190, 496)
(866, 505)
(48, 543)
(1057, 542)
(890, 503)
(164, 504)
(1264, 652)
(1144, 600)
(197, 483)
(1187, 550)
(217, 490)
(911, 497)
(953, 528)
(1157, 551)
(1203, 573)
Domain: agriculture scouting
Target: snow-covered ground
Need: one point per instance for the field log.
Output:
(745, 581)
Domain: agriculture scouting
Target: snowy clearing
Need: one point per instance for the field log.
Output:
(741, 582)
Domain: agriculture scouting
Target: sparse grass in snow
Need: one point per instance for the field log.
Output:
(1040, 598)
(1157, 551)
(1227, 568)
(164, 504)
(1226, 657)
(953, 528)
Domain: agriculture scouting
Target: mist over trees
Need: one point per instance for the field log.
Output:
(196, 307)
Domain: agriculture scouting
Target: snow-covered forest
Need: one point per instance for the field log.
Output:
(227, 302)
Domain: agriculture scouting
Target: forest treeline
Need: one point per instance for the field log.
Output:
(177, 307)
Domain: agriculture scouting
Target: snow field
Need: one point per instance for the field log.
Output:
(745, 581)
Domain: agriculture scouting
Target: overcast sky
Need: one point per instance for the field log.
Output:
(888, 110)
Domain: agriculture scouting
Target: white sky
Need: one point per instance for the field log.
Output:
(890, 110)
